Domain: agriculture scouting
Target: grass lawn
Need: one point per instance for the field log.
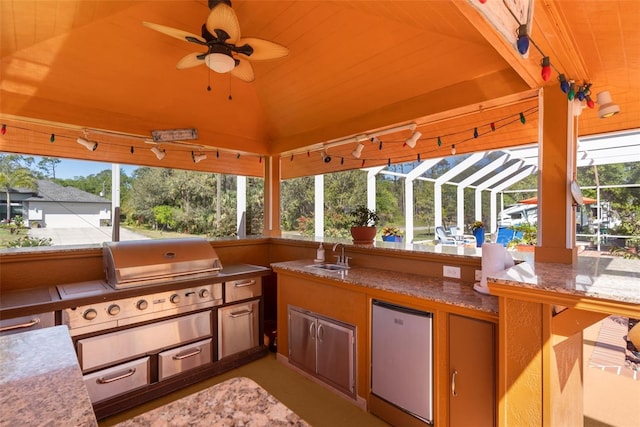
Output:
(6, 236)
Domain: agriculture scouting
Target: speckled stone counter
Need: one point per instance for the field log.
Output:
(235, 402)
(40, 381)
(430, 288)
(595, 278)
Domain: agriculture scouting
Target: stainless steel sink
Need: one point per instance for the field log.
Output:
(330, 267)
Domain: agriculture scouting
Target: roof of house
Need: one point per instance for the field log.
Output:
(49, 191)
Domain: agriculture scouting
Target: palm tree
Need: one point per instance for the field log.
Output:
(10, 179)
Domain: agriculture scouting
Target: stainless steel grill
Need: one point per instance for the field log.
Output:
(146, 262)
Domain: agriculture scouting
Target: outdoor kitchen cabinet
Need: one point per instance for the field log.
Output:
(323, 347)
(472, 372)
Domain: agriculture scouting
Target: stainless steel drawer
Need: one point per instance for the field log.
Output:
(26, 323)
(178, 360)
(117, 380)
(243, 289)
(108, 349)
(238, 328)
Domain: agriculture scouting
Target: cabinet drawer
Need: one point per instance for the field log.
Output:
(26, 323)
(243, 289)
(117, 380)
(173, 362)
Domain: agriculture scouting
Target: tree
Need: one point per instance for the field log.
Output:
(48, 166)
(16, 178)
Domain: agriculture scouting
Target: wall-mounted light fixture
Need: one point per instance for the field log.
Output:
(607, 107)
(198, 157)
(89, 145)
(358, 150)
(160, 153)
(413, 139)
(325, 157)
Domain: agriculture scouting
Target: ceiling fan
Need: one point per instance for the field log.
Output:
(226, 51)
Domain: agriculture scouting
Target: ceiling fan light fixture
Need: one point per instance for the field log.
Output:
(160, 153)
(358, 151)
(220, 62)
(607, 107)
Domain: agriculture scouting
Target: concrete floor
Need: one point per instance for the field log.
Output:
(82, 236)
(609, 399)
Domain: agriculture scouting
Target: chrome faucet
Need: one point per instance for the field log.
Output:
(342, 259)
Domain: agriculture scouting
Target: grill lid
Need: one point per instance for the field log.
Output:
(145, 262)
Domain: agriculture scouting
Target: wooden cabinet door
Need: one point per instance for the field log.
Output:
(472, 372)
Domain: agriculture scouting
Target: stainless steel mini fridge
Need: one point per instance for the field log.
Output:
(401, 358)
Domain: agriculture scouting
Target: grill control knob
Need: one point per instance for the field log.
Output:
(142, 304)
(90, 314)
(175, 298)
(204, 293)
(113, 309)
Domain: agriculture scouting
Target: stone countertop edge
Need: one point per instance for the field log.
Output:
(436, 289)
(237, 401)
(601, 278)
(41, 381)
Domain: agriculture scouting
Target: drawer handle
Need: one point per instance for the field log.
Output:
(169, 255)
(235, 314)
(243, 284)
(116, 377)
(185, 355)
(454, 393)
(21, 325)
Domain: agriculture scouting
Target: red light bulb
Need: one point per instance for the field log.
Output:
(546, 68)
(4, 129)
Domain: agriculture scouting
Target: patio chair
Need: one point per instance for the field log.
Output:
(504, 236)
(443, 237)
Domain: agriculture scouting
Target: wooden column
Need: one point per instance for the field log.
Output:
(557, 159)
(272, 197)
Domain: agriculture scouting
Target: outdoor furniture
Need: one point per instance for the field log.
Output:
(443, 237)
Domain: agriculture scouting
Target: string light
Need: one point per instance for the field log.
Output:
(564, 84)
(493, 126)
(546, 68)
(572, 91)
(523, 40)
(363, 162)
(131, 150)
(238, 156)
(389, 162)
(453, 149)
(475, 133)
(218, 154)
(439, 142)
(3, 130)
(292, 157)
(52, 138)
(523, 119)
(418, 157)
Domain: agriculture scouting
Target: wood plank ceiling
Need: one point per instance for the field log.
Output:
(354, 67)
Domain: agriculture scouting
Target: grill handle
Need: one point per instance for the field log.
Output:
(116, 377)
(21, 325)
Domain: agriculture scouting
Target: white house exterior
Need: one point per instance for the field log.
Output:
(55, 206)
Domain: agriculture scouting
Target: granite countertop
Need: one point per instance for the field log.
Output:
(41, 381)
(235, 402)
(429, 288)
(599, 278)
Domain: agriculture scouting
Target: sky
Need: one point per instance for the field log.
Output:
(68, 168)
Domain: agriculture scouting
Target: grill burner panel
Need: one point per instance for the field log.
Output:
(147, 262)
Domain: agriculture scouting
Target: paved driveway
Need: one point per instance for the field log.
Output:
(82, 236)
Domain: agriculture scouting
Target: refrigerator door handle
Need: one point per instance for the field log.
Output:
(454, 393)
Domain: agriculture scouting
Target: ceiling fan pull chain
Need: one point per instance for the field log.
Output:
(209, 77)
(230, 97)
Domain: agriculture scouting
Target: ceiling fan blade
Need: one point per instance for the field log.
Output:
(243, 71)
(223, 17)
(174, 32)
(262, 49)
(190, 61)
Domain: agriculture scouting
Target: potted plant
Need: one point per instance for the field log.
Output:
(477, 229)
(363, 225)
(391, 233)
(525, 237)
